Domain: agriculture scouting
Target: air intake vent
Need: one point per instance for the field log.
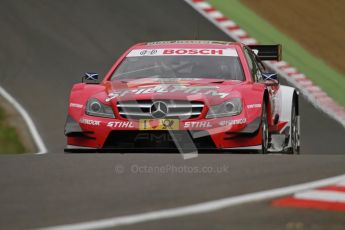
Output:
(174, 109)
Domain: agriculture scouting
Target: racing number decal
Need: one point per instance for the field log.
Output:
(159, 124)
(148, 52)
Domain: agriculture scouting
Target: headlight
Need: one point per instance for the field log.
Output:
(228, 108)
(95, 108)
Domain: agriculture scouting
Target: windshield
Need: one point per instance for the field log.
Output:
(143, 65)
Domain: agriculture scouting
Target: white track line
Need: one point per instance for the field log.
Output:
(200, 208)
(32, 128)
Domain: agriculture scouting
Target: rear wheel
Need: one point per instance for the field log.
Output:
(264, 130)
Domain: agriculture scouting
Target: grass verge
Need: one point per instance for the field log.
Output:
(330, 80)
(9, 140)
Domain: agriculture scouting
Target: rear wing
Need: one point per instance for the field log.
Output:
(267, 52)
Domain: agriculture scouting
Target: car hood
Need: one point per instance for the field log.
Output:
(212, 90)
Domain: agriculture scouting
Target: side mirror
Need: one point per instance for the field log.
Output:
(270, 79)
(90, 78)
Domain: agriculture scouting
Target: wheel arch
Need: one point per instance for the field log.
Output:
(290, 97)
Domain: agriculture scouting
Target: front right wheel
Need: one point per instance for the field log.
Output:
(264, 130)
(294, 133)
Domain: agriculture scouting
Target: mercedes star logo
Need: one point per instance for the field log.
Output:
(159, 109)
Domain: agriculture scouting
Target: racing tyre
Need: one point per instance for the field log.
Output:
(264, 130)
(294, 134)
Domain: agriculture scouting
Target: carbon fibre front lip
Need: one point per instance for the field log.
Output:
(76, 149)
(254, 147)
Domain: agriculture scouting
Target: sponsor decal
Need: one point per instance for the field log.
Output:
(254, 106)
(120, 124)
(233, 122)
(164, 80)
(205, 90)
(89, 122)
(194, 51)
(178, 52)
(75, 105)
(197, 124)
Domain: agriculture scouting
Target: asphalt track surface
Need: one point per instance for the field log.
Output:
(46, 46)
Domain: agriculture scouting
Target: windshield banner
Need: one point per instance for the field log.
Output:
(185, 52)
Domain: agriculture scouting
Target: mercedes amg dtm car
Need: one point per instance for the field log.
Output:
(173, 95)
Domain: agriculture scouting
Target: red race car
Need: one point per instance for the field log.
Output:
(180, 95)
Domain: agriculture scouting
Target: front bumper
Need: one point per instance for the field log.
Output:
(95, 133)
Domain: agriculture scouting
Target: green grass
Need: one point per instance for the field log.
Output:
(9, 139)
(330, 80)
